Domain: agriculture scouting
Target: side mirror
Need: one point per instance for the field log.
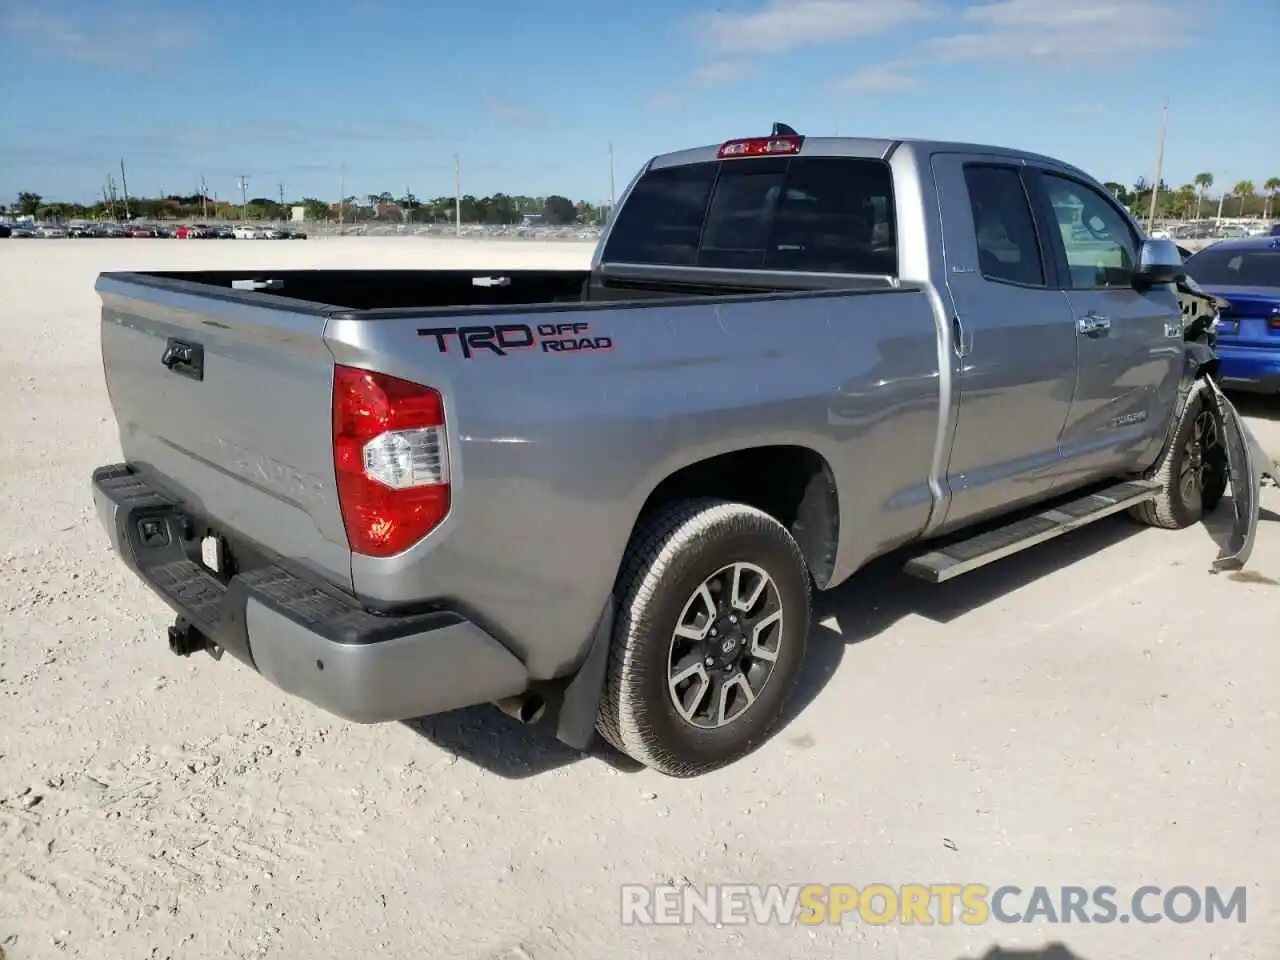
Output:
(1159, 261)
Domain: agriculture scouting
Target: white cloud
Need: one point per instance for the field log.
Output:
(99, 35)
(786, 24)
(1063, 33)
(884, 77)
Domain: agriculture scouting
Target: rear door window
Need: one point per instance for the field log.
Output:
(801, 214)
(1008, 248)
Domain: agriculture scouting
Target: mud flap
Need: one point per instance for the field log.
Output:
(1247, 464)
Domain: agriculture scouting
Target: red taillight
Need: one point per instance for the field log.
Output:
(392, 460)
(760, 147)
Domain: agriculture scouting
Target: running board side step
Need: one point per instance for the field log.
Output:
(952, 561)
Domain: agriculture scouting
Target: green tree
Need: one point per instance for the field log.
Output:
(1244, 190)
(1203, 182)
(501, 209)
(315, 209)
(29, 203)
(559, 210)
(1272, 186)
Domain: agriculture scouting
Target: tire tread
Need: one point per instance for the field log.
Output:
(656, 545)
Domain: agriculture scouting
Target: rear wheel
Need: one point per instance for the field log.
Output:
(713, 619)
(1192, 472)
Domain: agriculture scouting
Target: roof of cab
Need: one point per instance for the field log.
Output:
(871, 148)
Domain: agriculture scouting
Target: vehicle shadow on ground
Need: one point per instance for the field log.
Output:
(487, 737)
(1050, 951)
(880, 595)
(870, 603)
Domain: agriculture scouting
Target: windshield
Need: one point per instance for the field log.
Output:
(1234, 267)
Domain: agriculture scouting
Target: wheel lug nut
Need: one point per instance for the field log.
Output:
(715, 633)
(733, 619)
(710, 661)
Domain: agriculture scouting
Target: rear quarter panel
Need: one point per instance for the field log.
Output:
(553, 455)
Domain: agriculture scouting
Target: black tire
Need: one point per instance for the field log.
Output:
(1181, 503)
(669, 560)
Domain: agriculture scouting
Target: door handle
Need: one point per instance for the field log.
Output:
(959, 338)
(1091, 324)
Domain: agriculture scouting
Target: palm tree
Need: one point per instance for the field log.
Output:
(1272, 186)
(1204, 181)
(1243, 190)
(1183, 199)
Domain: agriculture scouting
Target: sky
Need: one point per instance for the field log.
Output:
(317, 96)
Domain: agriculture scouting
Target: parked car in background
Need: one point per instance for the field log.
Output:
(1246, 274)
(5, 231)
(52, 232)
(22, 230)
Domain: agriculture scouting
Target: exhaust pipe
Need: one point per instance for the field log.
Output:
(525, 707)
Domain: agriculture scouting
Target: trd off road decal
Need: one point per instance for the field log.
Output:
(506, 338)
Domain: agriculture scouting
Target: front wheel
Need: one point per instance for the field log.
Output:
(713, 619)
(1192, 472)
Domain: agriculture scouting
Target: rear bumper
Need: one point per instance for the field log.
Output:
(1250, 369)
(299, 633)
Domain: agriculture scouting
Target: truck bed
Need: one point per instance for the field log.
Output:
(320, 290)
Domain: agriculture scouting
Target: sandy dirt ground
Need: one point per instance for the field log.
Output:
(1099, 711)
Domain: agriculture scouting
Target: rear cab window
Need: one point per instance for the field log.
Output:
(793, 214)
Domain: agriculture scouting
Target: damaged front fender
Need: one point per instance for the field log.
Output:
(1247, 465)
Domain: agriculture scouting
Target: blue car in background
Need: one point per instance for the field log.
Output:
(1246, 273)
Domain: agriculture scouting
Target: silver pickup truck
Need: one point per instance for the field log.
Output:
(603, 498)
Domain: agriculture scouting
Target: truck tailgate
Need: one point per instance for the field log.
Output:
(228, 406)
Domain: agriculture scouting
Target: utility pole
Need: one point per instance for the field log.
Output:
(1155, 187)
(457, 196)
(1222, 196)
(282, 196)
(243, 183)
(611, 191)
(342, 199)
(124, 185)
(204, 200)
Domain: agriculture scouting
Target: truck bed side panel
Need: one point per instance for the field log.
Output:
(554, 453)
(250, 442)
